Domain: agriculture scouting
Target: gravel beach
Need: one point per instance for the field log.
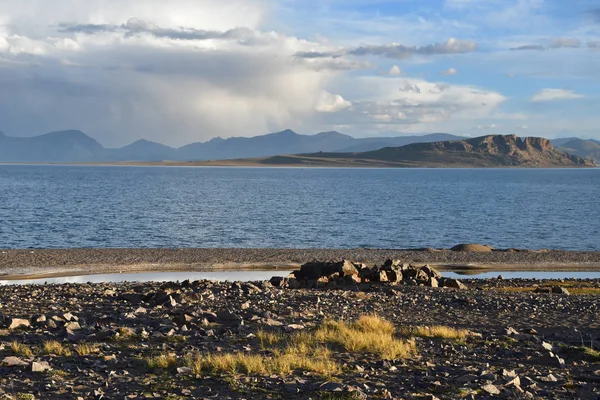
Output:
(35, 262)
(243, 340)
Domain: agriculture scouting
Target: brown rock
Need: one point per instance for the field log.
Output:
(16, 323)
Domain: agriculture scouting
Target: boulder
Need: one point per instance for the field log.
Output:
(16, 323)
(473, 248)
(278, 281)
(560, 290)
(431, 272)
(453, 283)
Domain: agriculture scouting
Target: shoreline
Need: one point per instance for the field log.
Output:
(47, 263)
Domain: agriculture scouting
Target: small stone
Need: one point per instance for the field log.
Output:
(40, 366)
(272, 322)
(331, 387)
(549, 378)
(184, 370)
(490, 389)
(13, 362)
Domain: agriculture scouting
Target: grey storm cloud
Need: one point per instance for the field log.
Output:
(136, 27)
(398, 51)
(555, 43)
(559, 43)
(529, 47)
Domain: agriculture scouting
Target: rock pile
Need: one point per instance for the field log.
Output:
(335, 274)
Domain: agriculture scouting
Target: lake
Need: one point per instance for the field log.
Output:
(173, 207)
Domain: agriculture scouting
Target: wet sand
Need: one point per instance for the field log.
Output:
(28, 264)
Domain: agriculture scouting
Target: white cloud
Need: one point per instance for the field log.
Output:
(412, 101)
(328, 102)
(395, 70)
(555, 94)
(449, 71)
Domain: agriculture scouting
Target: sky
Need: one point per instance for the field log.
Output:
(183, 71)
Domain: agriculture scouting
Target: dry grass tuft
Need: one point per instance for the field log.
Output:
(56, 348)
(125, 333)
(20, 349)
(281, 362)
(162, 361)
(369, 334)
(268, 338)
(440, 332)
(84, 349)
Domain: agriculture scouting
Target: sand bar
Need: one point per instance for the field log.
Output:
(20, 264)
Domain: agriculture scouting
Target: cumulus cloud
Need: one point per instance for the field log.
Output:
(555, 94)
(417, 101)
(395, 70)
(328, 102)
(449, 71)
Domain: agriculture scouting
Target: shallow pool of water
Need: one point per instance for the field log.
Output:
(522, 275)
(246, 276)
(155, 277)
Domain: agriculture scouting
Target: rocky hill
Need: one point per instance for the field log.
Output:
(485, 151)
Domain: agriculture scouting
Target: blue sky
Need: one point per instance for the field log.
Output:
(188, 70)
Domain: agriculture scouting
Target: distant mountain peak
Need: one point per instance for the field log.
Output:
(286, 132)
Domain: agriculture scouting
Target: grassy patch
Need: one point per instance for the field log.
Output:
(56, 348)
(280, 362)
(85, 349)
(20, 349)
(162, 361)
(268, 338)
(440, 332)
(369, 334)
(125, 334)
(308, 350)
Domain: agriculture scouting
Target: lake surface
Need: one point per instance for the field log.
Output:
(130, 207)
(246, 276)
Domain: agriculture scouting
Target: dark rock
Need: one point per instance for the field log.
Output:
(559, 290)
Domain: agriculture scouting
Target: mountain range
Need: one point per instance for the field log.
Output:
(76, 146)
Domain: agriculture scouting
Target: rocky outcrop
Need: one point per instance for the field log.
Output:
(339, 274)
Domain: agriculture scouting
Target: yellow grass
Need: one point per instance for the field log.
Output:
(125, 333)
(369, 334)
(306, 351)
(163, 361)
(84, 349)
(20, 349)
(281, 362)
(268, 338)
(56, 348)
(441, 332)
